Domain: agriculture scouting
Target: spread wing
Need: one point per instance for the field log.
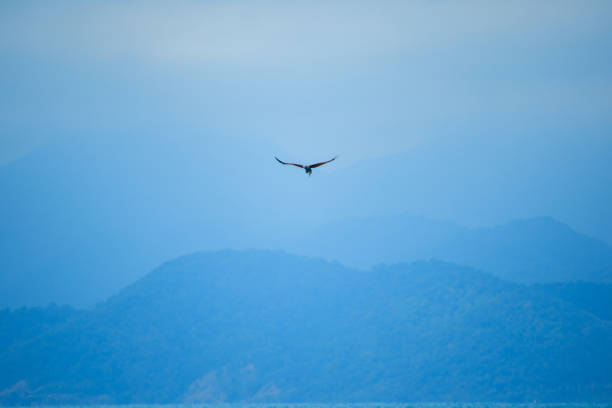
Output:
(312, 166)
(293, 164)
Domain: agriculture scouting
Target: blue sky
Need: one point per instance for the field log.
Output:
(133, 132)
(364, 78)
(521, 88)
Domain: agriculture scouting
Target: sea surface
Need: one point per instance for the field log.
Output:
(345, 405)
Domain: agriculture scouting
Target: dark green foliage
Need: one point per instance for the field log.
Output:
(267, 326)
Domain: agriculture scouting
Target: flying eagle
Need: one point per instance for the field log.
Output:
(309, 168)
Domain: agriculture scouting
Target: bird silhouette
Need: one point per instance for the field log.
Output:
(307, 168)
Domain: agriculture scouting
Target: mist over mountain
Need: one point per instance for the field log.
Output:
(535, 250)
(81, 221)
(267, 326)
(83, 218)
(458, 249)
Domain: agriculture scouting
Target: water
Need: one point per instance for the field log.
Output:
(345, 405)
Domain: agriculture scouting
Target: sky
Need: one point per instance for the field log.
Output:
(132, 133)
(488, 110)
(365, 79)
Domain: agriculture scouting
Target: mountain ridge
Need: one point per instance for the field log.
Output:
(530, 250)
(268, 326)
(108, 210)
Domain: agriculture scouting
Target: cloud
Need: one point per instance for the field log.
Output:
(288, 33)
(385, 75)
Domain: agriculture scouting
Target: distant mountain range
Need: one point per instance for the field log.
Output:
(261, 326)
(83, 219)
(536, 250)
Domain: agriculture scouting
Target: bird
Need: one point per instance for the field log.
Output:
(307, 168)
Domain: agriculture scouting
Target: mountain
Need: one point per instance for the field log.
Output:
(82, 220)
(85, 216)
(535, 250)
(263, 326)
(595, 298)
(24, 324)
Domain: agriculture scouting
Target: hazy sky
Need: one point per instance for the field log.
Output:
(521, 88)
(162, 120)
(360, 78)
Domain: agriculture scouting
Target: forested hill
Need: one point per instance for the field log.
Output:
(268, 326)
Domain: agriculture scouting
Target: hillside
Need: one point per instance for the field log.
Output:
(267, 326)
(595, 298)
(535, 250)
(24, 324)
